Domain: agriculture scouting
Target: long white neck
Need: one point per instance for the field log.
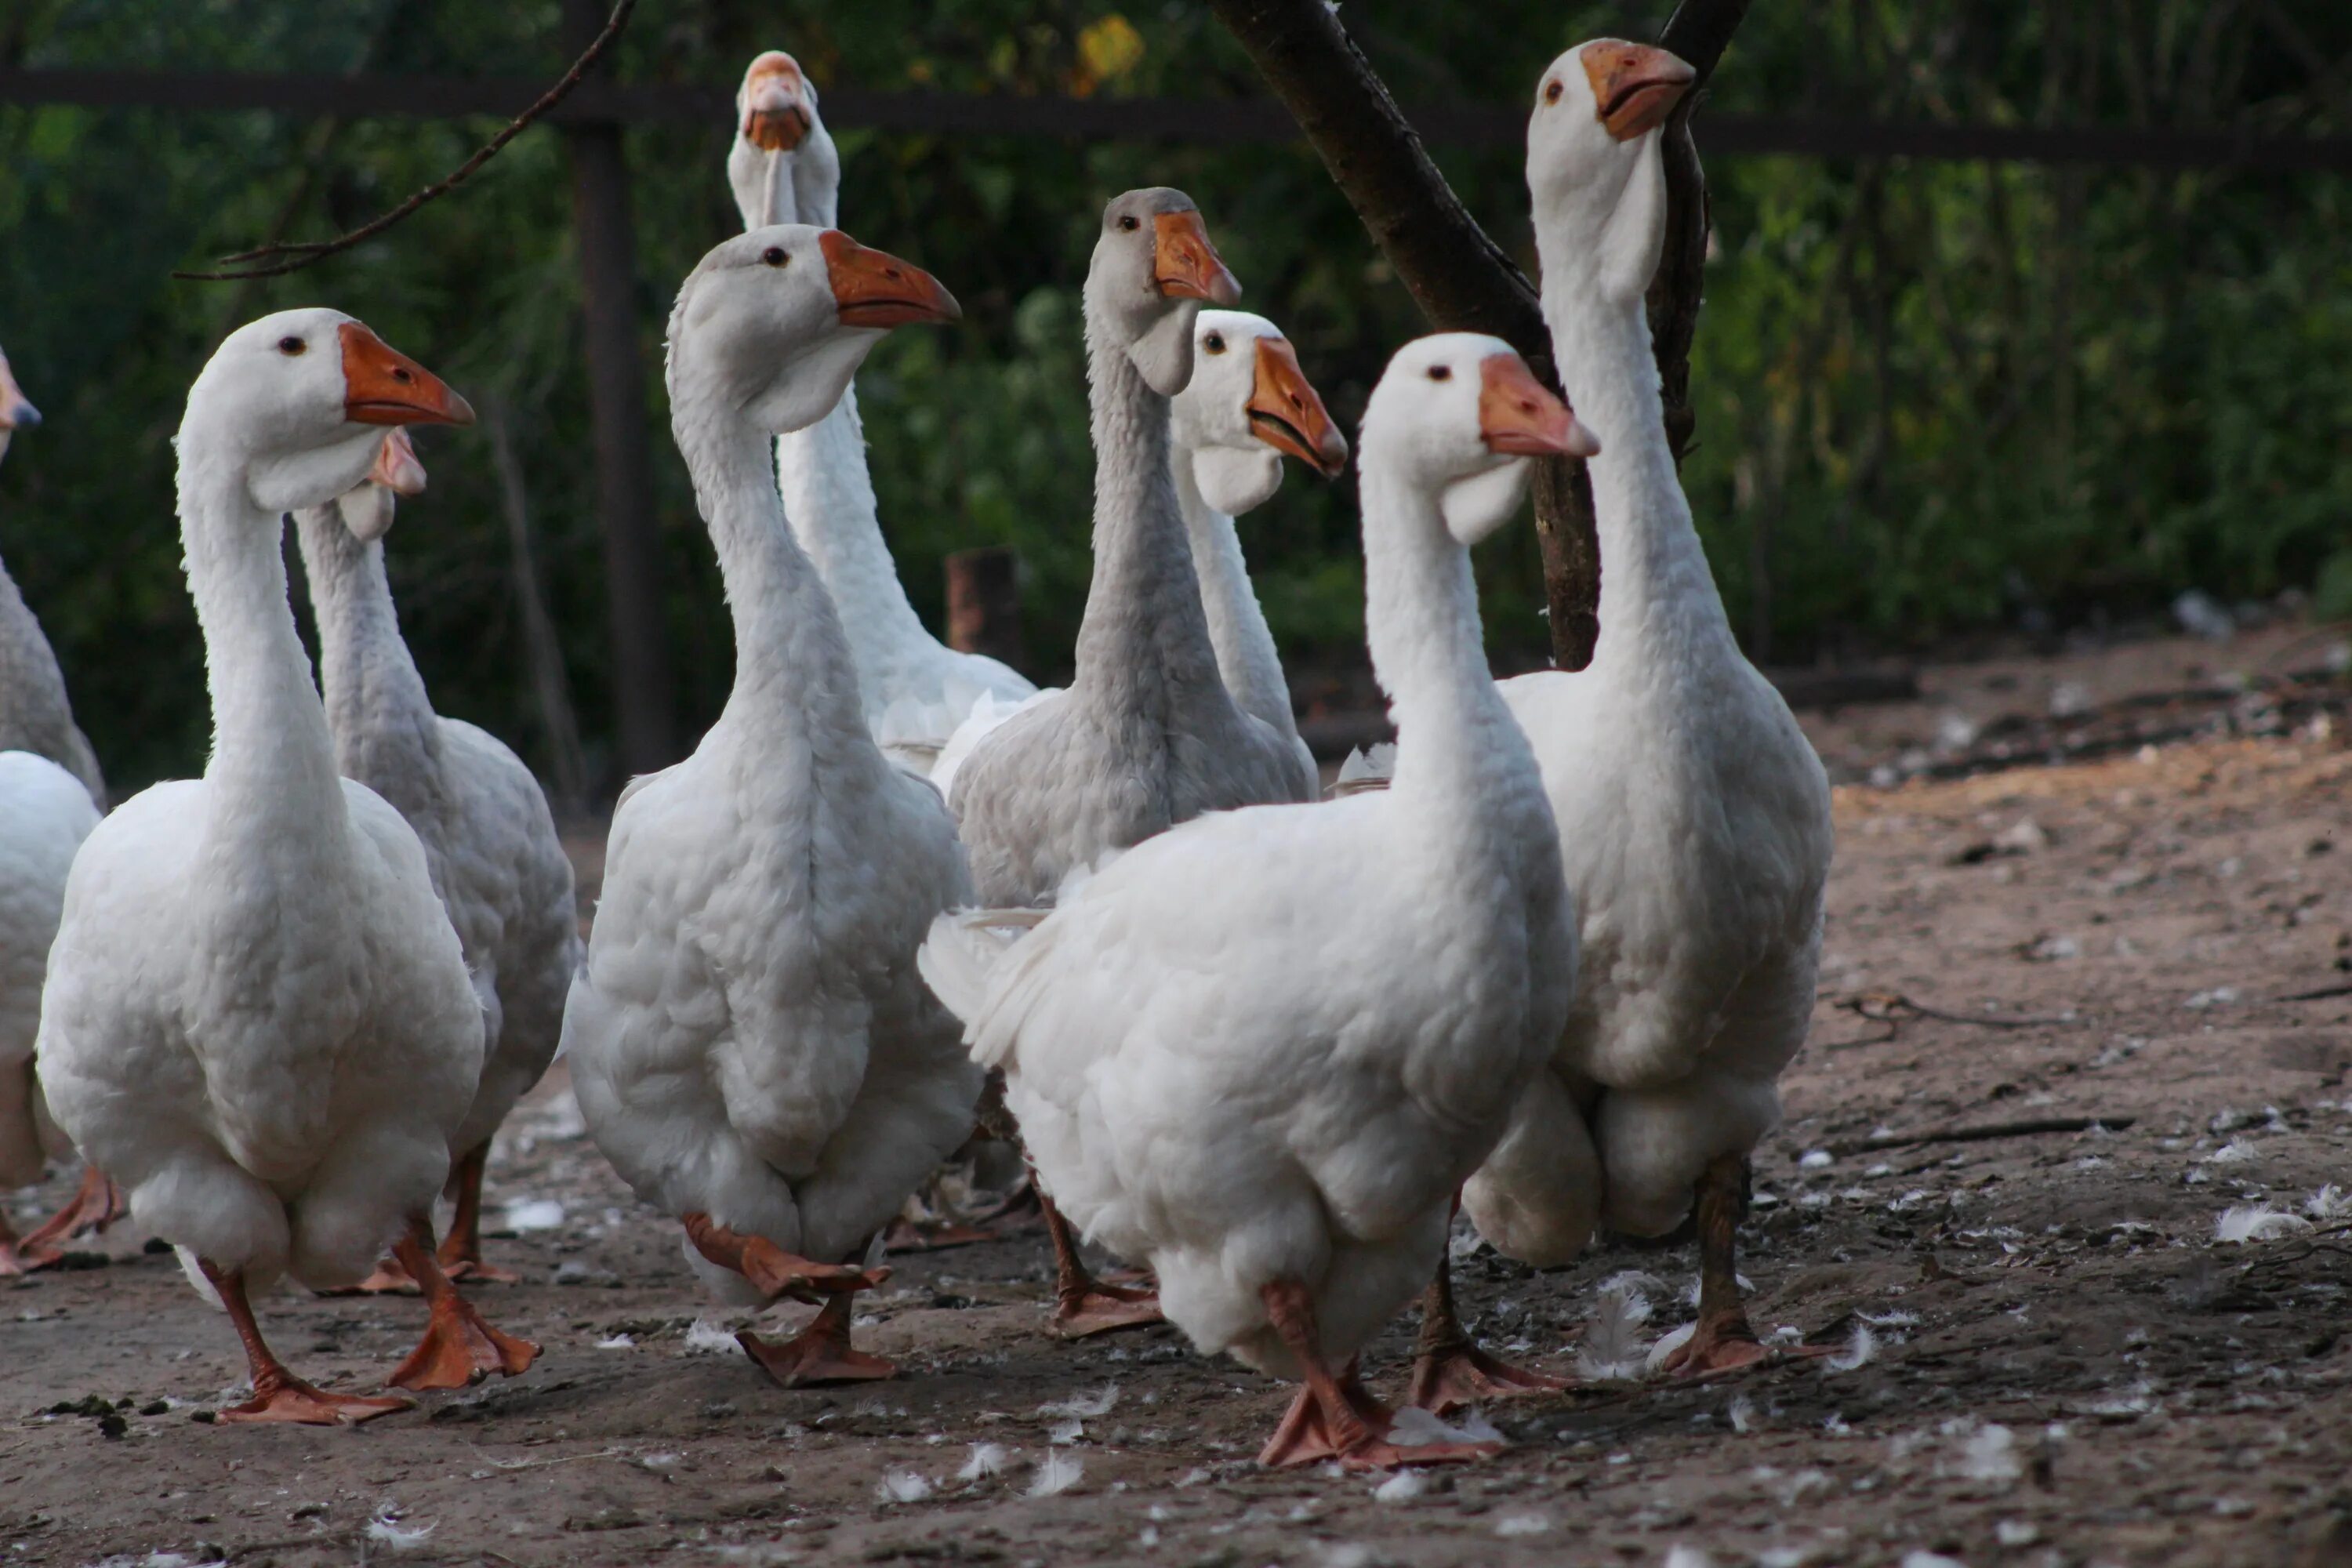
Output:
(386, 734)
(1660, 613)
(1246, 657)
(794, 674)
(35, 715)
(828, 495)
(1144, 639)
(272, 798)
(1459, 752)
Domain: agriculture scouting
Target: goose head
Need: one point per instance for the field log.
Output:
(1594, 166)
(1153, 268)
(297, 403)
(783, 167)
(16, 410)
(367, 511)
(1248, 405)
(1460, 414)
(774, 323)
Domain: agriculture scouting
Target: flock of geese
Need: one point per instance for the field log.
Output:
(1265, 1044)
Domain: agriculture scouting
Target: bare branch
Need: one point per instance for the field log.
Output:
(301, 254)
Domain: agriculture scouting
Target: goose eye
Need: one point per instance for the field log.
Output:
(1552, 89)
(774, 256)
(1129, 223)
(291, 346)
(1440, 372)
(1215, 342)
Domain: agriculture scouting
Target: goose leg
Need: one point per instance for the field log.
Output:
(1722, 1341)
(820, 1353)
(459, 1347)
(775, 1271)
(1450, 1371)
(14, 1259)
(278, 1394)
(1083, 1305)
(461, 1251)
(96, 1203)
(1336, 1418)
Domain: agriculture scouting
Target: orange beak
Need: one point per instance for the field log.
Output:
(384, 386)
(775, 113)
(1285, 413)
(875, 289)
(396, 467)
(1635, 85)
(1519, 415)
(1186, 265)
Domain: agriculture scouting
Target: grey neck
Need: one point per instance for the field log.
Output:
(1144, 640)
(386, 734)
(35, 715)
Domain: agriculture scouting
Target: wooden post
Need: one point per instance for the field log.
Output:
(642, 691)
(984, 603)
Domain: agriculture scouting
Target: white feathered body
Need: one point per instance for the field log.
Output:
(45, 814)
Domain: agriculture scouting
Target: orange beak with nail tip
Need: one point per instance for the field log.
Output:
(1636, 86)
(396, 467)
(1185, 266)
(1519, 415)
(1286, 414)
(384, 386)
(876, 289)
(775, 117)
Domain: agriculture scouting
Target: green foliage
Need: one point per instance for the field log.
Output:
(1928, 396)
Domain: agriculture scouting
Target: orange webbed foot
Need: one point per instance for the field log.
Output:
(289, 1399)
(1462, 1375)
(459, 1348)
(1721, 1347)
(810, 1357)
(1097, 1307)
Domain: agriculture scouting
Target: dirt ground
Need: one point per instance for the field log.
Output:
(2066, 1364)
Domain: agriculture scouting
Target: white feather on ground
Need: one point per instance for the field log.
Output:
(987, 1459)
(1057, 1473)
(1088, 1405)
(1401, 1488)
(1858, 1352)
(902, 1486)
(1613, 1346)
(2257, 1222)
(2328, 1204)
(386, 1530)
(707, 1336)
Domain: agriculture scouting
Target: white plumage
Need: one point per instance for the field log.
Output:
(489, 840)
(748, 1039)
(256, 1018)
(45, 814)
(784, 168)
(1262, 1048)
(1694, 815)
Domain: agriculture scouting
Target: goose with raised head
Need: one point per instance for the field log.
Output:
(1247, 407)
(1146, 735)
(489, 839)
(258, 1016)
(784, 168)
(48, 807)
(1263, 1049)
(748, 1039)
(1694, 815)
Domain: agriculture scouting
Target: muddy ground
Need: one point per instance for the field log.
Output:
(2066, 1366)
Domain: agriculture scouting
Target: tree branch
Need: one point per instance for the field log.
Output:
(302, 254)
(1460, 278)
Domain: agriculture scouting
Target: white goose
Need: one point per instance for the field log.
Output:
(750, 1042)
(783, 168)
(1694, 816)
(1260, 1050)
(1247, 405)
(1146, 735)
(45, 811)
(488, 838)
(256, 1014)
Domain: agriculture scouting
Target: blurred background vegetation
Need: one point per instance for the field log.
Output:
(1933, 398)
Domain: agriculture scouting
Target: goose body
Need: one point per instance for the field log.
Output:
(916, 691)
(1260, 1050)
(257, 1015)
(1694, 815)
(489, 840)
(750, 1042)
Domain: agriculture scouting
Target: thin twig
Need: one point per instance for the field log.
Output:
(1985, 1133)
(302, 254)
(1893, 1008)
(2317, 993)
